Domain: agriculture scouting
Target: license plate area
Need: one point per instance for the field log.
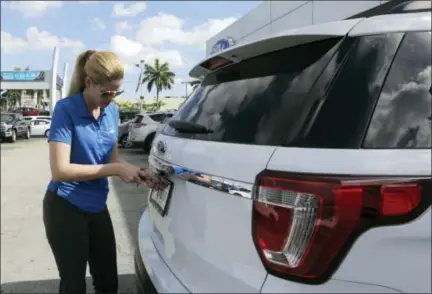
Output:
(160, 198)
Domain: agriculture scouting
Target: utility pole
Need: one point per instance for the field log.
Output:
(141, 76)
(186, 88)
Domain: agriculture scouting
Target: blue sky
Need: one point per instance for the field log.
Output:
(174, 31)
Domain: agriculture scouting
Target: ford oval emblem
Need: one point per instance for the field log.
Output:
(161, 147)
(222, 44)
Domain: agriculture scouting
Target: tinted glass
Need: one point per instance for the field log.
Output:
(138, 119)
(7, 118)
(263, 100)
(402, 118)
(157, 117)
(346, 108)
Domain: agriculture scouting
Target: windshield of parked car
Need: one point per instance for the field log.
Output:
(7, 118)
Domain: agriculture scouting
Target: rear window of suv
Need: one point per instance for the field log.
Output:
(258, 101)
(138, 119)
(158, 117)
(402, 117)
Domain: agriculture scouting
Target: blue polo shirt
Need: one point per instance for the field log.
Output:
(92, 142)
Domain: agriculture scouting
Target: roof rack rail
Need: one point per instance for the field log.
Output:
(396, 6)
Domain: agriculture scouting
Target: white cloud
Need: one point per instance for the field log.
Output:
(10, 43)
(131, 52)
(120, 10)
(169, 28)
(97, 24)
(401, 110)
(36, 40)
(158, 30)
(32, 8)
(122, 26)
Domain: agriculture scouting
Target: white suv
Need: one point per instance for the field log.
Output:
(143, 129)
(302, 164)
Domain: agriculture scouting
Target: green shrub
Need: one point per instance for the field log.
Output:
(44, 112)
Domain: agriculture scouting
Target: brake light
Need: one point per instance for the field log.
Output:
(138, 125)
(216, 62)
(302, 224)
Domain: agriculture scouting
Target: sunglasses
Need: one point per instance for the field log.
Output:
(109, 95)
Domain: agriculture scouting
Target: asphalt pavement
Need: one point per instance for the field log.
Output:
(27, 264)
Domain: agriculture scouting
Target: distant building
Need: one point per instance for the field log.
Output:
(271, 17)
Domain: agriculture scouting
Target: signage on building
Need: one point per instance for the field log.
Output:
(22, 76)
(27, 100)
(222, 44)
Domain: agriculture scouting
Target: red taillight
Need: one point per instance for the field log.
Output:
(138, 125)
(216, 62)
(301, 224)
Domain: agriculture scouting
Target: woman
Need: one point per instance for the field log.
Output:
(83, 153)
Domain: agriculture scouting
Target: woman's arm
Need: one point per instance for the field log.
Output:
(64, 171)
(115, 154)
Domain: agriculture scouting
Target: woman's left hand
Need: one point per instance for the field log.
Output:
(152, 181)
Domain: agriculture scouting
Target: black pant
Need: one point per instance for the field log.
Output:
(77, 237)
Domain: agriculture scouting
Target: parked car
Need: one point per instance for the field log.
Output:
(33, 117)
(325, 132)
(123, 133)
(40, 127)
(28, 111)
(14, 126)
(126, 115)
(164, 122)
(143, 130)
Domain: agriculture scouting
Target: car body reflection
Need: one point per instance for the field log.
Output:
(221, 184)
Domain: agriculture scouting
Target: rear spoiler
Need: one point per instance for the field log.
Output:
(285, 39)
(396, 6)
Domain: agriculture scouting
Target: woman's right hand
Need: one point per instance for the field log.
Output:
(128, 173)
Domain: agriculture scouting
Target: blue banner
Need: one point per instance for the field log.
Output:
(22, 76)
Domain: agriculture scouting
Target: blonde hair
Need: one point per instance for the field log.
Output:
(102, 67)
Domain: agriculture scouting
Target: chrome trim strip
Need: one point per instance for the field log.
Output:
(383, 181)
(164, 168)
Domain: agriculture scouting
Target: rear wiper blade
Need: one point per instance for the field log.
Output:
(188, 127)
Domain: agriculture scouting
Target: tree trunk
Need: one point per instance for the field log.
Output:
(157, 98)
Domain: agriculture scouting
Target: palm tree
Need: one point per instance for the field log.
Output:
(13, 97)
(39, 97)
(159, 76)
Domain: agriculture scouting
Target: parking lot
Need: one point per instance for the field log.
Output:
(27, 264)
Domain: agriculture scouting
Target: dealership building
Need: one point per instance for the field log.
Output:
(271, 17)
(48, 79)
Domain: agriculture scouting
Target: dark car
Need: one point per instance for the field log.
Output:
(13, 126)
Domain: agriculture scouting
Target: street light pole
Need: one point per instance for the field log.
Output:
(141, 76)
(186, 90)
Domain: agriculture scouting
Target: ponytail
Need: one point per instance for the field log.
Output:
(79, 74)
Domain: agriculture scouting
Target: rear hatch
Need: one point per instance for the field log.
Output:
(366, 158)
(227, 134)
